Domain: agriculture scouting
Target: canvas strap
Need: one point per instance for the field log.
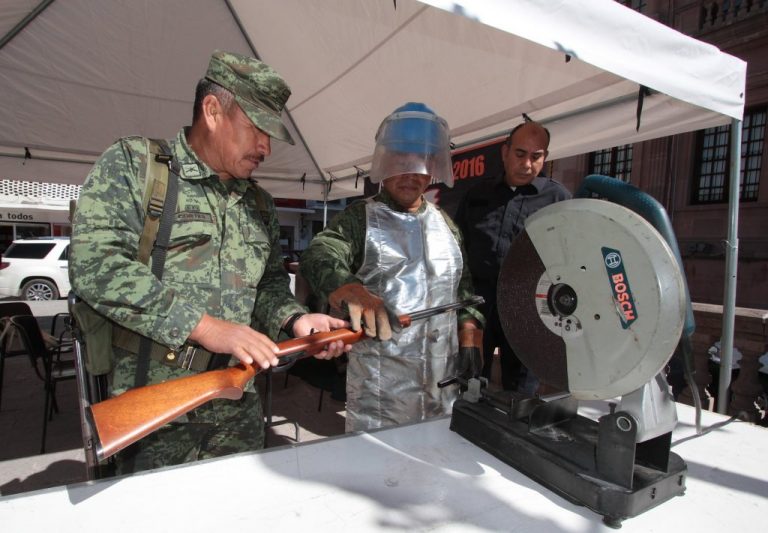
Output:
(162, 184)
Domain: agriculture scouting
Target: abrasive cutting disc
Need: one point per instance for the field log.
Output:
(591, 298)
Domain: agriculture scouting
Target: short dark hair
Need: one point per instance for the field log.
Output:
(511, 133)
(206, 87)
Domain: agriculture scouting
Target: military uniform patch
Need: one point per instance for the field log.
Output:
(190, 170)
(194, 216)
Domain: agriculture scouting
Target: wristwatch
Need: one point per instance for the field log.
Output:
(288, 326)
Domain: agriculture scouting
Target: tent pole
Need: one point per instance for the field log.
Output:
(731, 265)
(285, 110)
(37, 157)
(42, 6)
(325, 207)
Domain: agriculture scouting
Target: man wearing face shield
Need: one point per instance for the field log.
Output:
(397, 253)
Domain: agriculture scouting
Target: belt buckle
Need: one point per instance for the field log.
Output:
(186, 356)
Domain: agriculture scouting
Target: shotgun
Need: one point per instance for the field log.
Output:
(124, 419)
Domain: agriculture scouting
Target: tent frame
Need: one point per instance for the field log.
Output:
(731, 270)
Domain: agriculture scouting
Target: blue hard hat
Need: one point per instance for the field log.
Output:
(413, 128)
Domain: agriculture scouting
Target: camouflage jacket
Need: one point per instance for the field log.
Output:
(223, 259)
(336, 253)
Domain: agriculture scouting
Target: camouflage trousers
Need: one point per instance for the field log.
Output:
(217, 428)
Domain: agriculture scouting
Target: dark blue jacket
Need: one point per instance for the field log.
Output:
(491, 215)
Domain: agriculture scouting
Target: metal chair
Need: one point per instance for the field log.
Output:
(268, 421)
(330, 376)
(47, 362)
(91, 389)
(9, 346)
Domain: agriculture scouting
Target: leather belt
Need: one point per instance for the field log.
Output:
(186, 357)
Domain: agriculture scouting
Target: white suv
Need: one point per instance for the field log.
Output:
(36, 269)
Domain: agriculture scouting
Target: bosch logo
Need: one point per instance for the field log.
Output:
(613, 260)
(622, 293)
(623, 297)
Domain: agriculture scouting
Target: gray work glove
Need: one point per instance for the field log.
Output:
(362, 304)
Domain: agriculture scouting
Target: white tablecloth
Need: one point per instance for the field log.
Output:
(418, 477)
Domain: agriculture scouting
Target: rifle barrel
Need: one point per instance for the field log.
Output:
(432, 311)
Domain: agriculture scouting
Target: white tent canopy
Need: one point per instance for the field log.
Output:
(77, 75)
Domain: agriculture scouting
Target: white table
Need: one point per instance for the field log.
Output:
(418, 477)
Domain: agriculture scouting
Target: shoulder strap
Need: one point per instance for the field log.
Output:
(160, 195)
(165, 209)
(155, 189)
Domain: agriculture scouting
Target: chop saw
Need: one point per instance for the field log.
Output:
(592, 299)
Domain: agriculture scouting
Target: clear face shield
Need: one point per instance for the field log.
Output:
(412, 142)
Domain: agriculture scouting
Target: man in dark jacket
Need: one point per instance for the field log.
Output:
(491, 215)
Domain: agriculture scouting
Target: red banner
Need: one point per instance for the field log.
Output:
(469, 165)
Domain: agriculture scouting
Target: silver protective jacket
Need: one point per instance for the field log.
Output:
(412, 261)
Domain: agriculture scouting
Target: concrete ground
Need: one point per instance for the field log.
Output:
(23, 468)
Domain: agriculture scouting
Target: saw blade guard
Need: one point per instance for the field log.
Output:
(650, 209)
(591, 298)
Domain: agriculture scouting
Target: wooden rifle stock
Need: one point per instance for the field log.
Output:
(124, 419)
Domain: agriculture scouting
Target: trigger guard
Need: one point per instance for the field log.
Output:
(286, 362)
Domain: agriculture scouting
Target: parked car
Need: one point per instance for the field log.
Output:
(36, 269)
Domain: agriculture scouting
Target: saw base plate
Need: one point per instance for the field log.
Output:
(594, 464)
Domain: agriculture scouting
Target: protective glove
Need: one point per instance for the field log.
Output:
(360, 303)
(470, 353)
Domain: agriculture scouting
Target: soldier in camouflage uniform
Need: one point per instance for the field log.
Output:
(400, 250)
(223, 274)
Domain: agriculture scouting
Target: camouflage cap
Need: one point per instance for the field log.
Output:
(259, 90)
